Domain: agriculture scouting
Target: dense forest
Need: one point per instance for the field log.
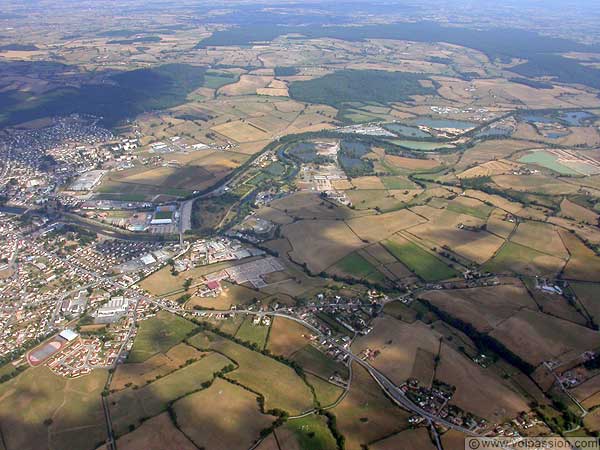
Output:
(345, 86)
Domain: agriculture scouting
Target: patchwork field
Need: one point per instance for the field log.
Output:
(330, 241)
(157, 365)
(233, 421)
(483, 307)
(381, 226)
(278, 383)
(356, 266)
(241, 131)
(129, 407)
(158, 432)
(517, 258)
(157, 335)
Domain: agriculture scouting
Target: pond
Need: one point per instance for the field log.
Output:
(421, 145)
(575, 118)
(444, 123)
(406, 131)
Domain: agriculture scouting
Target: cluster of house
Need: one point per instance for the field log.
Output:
(43, 158)
(436, 400)
(31, 289)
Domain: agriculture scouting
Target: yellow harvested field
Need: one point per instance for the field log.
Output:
(585, 232)
(342, 185)
(157, 432)
(587, 136)
(381, 226)
(241, 131)
(498, 224)
(330, 241)
(577, 212)
(369, 182)
(542, 237)
(273, 92)
(233, 420)
(402, 162)
(489, 169)
(247, 84)
(250, 148)
(270, 123)
(289, 106)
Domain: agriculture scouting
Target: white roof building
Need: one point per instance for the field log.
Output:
(68, 335)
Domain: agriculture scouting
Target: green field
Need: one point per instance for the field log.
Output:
(7, 369)
(424, 264)
(163, 215)
(520, 259)
(358, 267)
(214, 80)
(326, 392)
(311, 433)
(359, 116)
(315, 361)
(256, 334)
(548, 160)
(159, 334)
(482, 212)
(397, 183)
